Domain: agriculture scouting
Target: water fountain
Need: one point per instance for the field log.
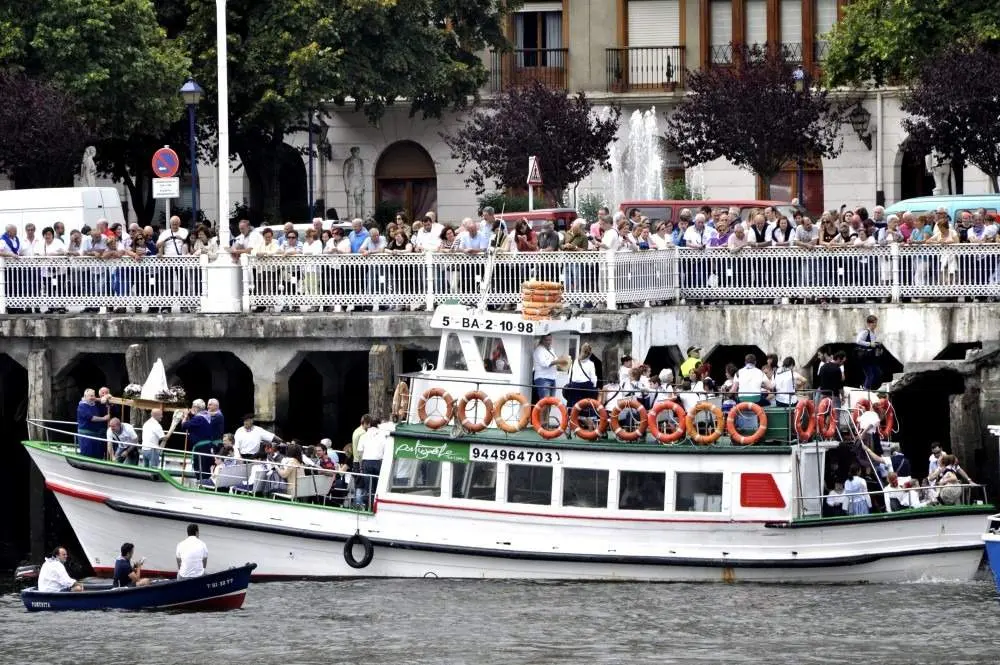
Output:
(636, 161)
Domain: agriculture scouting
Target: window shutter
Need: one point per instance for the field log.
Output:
(756, 22)
(721, 23)
(826, 16)
(654, 23)
(541, 7)
(791, 22)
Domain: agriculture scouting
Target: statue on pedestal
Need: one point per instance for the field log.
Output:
(354, 184)
(938, 165)
(88, 169)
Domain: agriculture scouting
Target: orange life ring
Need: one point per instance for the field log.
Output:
(805, 406)
(522, 420)
(885, 411)
(713, 436)
(474, 426)
(541, 298)
(602, 420)
(860, 407)
(654, 426)
(536, 417)
(640, 430)
(541, 286)
(828, 427)
(734, 434)
(435, 422)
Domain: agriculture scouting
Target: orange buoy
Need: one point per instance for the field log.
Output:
(888, 415)
(654, 426)
(435, 422)
(860, 407)
(470, 425)
(711, 437)
(536, 418)
(807, 408)
(640, 429)
(734, 434)
(522, 420)
(602, 420)
(826, 428)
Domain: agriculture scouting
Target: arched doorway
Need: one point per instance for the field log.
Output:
(785, 185)
(405, 179)
(914, 180)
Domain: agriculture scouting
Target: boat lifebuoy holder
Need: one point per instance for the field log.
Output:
(358, 539)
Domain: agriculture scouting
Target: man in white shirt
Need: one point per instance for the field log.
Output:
(428, 238)
(154, 438)
(751, 382)
(172, 240)
(544, 369)
(53, 578)
(471, 241)
(247, 239)
(123, 442)
(699, 235)
(371, 448)
(192, 555)
(249, 438)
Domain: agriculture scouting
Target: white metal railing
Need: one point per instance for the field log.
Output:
(599, 279)
(83, 282)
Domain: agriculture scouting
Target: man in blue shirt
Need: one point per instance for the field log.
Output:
(128, 574)
(357, 236)
(91, 425)
(471, 240)
(198, 425)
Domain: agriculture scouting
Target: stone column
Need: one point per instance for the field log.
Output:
(966, 424)
(39, 409)
(265, 400)
(611, 361)
(138, 365)
(382, 373)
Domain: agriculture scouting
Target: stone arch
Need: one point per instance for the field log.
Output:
(322, 394)
(721, 355)
(406, 178)
(922, 401)
(913, 177)
(668, 356)
(13, 430)
(86, 370)
(218, 374)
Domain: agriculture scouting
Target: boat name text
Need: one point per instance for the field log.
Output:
(436, 452)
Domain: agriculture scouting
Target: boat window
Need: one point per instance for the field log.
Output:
(586, 488)
(641, 490)
(410, 476)
(494, 355)
(453, 356)
(529, 484)
(700, 492)
(474, 480)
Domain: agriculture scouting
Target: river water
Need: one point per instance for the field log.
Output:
(437, 622)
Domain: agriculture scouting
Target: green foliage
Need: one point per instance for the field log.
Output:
(504, 202)
(385, 212)
(588, 205)
(884, 42)
(678, 190)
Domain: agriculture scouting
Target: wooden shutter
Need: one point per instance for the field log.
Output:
(756, 22)
(654, 23)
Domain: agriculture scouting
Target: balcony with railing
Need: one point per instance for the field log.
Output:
(638, 68)
(512, 69)
(796, 53)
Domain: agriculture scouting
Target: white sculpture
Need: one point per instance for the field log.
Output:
(88, 168)
(354, 184)
(939, 166)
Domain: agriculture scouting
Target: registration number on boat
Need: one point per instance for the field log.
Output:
(519, 455)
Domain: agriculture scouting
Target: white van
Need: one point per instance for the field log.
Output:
(73, 206)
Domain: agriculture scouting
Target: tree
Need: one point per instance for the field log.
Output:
(288, 58)
(116, 63)
(43, 135)
(954, 108)
(884, 42)
(562, 130)
(752, 115)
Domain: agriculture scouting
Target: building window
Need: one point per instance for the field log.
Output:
(790, 23)
(474, 480)
(454, 357)
(493, 353)
(755, 21)
(825, 16)
(641, 490)
(721, 31)
(585, 488)
(410, 476)
(699, 492)
(529, 484)
(538, 35)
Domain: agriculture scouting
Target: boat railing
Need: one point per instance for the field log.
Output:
(234, 473)
(911, 495)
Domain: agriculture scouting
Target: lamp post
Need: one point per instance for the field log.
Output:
(221, 56)
(799, 76)
(191, 93)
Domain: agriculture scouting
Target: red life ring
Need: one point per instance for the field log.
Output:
(474, 426)
(828, 427)
(888, 415)
(654, 426)
(602, 420)
(640, 429)
(522, 420)
(860, 407)
(435, 422)
(807, 408)
(536, 417)
(734, 434)
(713, 436)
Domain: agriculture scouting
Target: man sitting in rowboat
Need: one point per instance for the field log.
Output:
(128, 574)
(53, 577)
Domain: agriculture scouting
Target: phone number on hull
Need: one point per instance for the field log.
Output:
(518, 455)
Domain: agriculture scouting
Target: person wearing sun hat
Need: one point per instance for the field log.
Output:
(693, 358)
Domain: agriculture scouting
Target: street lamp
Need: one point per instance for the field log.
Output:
(799, 76)
(191, 93)
(221, 59)
(859, 118)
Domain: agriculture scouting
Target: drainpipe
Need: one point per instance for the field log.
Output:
(879, 165)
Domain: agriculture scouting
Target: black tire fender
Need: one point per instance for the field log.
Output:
(358, 539)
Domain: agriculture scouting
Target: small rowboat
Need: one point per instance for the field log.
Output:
(224, 590)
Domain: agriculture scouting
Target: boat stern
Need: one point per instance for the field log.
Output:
(992, 540)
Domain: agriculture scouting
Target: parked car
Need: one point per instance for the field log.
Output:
(75, 207)
(954, 204)
(671, 210)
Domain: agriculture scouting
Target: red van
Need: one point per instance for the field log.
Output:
(671, 210)
(560, 217)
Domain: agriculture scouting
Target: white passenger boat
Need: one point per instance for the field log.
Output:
(495, 504)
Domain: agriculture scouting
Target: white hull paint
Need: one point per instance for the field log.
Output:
(417, 539)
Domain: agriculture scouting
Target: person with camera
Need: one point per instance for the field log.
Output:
(127, 572)
(868, 348)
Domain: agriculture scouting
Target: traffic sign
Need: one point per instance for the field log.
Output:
(166, 188)
(165, 163)
(534, 171)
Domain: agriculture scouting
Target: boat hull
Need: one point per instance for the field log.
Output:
(992, 540)
(414, 539)
(219, 591)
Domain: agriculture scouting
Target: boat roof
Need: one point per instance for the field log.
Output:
(461, 317)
